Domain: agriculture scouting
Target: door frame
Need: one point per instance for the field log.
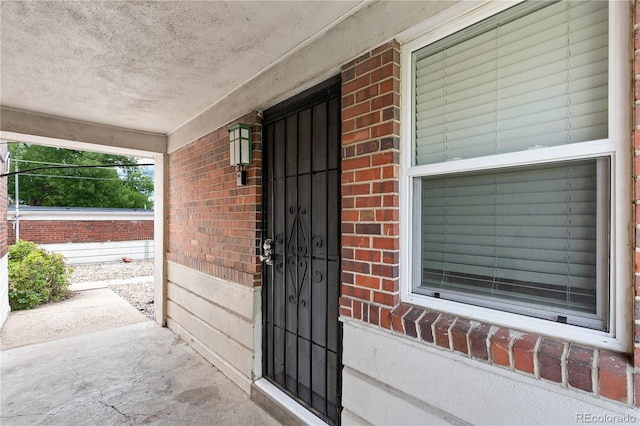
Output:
(325, 90)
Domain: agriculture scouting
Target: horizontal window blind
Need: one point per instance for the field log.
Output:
(515, 82)
(525, 235)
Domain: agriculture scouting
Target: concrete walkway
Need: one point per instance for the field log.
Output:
(84, 312)
(135, 373)
(106, 283)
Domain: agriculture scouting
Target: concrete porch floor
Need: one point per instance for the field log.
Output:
(138, 373)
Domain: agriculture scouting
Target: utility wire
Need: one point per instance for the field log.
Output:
(15, 160)
(80, 177)
(19, 172)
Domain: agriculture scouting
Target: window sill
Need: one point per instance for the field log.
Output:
(614, 341)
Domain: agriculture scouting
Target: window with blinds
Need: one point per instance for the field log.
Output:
(530, 77)
(530, 239)
(527, 236)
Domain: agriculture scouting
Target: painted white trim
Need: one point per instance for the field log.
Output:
(622, 244)
(288, 403)
(454, 19)
(617, 146)
(161, 237)
(257, 332)
(554, 154)
(4, 289)
(29, 127)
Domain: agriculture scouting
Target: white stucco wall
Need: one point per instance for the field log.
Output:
(4, 289)
(424, 385)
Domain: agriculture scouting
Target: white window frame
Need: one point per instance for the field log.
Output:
(617, 146)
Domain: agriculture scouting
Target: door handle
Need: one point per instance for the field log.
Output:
(267, 252)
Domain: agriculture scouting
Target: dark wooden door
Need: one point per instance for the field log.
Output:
(301, 222)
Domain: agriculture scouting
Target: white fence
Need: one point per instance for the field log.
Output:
(82, 253)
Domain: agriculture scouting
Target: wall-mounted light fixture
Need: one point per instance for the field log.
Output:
(6, 159)
(240, 149)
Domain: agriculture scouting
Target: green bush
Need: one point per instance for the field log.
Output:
(36, 276)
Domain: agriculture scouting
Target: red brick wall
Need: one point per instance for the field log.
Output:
(81, 231)
(370, 185)
(370, 240)
(214, 224)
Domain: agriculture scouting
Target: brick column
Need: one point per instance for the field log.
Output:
(370, 185)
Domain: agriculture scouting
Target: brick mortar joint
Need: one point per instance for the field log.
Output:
(368, 126)
(433, 329)
(450, 333)
(367, 181)
(366, 56)
(536, 361)
(563, 365)
(467, 336)
(380, 110)
(514, 335)
(595, 380)
(372, 83)
(417, 322)
(493, 329)
(371, 154)
(630, 391)
(376, 304)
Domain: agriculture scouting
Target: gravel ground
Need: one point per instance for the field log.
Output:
(139, 295)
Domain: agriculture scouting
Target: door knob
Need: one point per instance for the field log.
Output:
(267, 251)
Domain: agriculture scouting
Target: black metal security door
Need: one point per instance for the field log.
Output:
(301, 224)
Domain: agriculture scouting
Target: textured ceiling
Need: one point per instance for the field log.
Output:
(148, 66)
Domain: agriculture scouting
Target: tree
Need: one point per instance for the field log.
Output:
(108, 187)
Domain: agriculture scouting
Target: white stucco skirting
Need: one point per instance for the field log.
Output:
(425, 385)
(215, 317)
(4, 289)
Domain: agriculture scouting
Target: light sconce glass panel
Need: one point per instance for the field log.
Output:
(240, 144)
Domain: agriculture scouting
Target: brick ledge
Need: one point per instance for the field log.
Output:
(601, 373)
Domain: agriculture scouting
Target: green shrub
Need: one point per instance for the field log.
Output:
(36, 276)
